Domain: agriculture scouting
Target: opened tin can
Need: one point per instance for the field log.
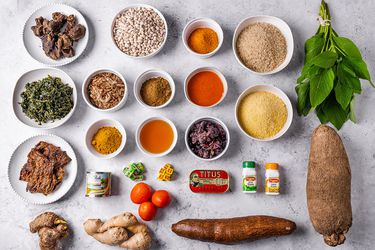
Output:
(98, 184)
(209, 181)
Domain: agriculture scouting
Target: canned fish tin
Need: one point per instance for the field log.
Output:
(98, 184)
(209, 181)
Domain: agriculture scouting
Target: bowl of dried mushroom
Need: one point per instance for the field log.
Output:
(55, 34)
(105, 90)
(139, 31)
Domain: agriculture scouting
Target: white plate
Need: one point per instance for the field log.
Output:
(33, 44)
(34, 75)
(19, 158)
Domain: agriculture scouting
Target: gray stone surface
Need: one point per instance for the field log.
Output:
(353, 19)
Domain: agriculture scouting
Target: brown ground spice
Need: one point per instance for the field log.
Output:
(156, 91)
(261, 47)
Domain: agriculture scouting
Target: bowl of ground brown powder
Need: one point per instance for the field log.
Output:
(154, 89)
(263, 44)
(263, 112)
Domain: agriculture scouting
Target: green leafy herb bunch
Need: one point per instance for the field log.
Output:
(330, 77)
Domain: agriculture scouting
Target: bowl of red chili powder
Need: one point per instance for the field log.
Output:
(205, 87)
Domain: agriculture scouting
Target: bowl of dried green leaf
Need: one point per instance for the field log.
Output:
(44, 98)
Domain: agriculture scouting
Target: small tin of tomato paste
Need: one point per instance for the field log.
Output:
(209, 181)
(98, 184)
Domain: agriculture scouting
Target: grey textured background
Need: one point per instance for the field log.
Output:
(354, 19)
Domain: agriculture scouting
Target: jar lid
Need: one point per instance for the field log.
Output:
(272, 165)
(248, 164)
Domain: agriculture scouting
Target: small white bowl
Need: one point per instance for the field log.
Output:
(148, 75)
(277, 22)
(196, 71)
(85, 93)
(95, 127)
(202, 23)
(138, 133)
(161, 16)
(215, 120)
(276, 91)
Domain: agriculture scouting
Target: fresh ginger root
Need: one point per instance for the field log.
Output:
(51, 228)
(122, 220)
(115, 232)
(113, 236)
(138, 241)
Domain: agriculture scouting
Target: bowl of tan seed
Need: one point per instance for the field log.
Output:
(263, 44)
(139, 31)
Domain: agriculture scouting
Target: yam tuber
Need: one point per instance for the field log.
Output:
(51, 228)
(328, 186)
(115, 232)
(233, 229)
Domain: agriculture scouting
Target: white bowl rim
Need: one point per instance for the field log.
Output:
(153, 118)
(201, 69)
(122, 145)
(217, 120)
(288, 105)
(206, 19)
(74, 97)
(289, 54)
(159, 72)
(98, 71)
(161, 16)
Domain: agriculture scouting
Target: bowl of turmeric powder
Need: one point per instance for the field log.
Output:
(202, 37)
(105, 138)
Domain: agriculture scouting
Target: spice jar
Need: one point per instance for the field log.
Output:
(272, 186)
(249, 177)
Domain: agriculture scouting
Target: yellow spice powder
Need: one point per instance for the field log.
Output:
(262, 114)
(106, 140)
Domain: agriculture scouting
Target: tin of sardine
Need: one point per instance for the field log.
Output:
(209, 181)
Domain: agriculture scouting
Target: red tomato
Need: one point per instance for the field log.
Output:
(161, 198)
(147, 211)
(140, 193)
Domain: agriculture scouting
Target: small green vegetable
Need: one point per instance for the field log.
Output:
(47, 100)
(330, 76)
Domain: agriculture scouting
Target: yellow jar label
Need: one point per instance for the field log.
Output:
(273, 185)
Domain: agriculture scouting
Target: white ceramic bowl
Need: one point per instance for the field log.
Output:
(85, 93)
(202, 23)
(95, 127)
(196, 71)
(277, 22)
(35, 75)
(148, 75)
(161, 16)
(215, 120)
(138, 133)
(33, 44)
(276, 91)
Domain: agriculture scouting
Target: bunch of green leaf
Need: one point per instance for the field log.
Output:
(47, 100)
(330, 76)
